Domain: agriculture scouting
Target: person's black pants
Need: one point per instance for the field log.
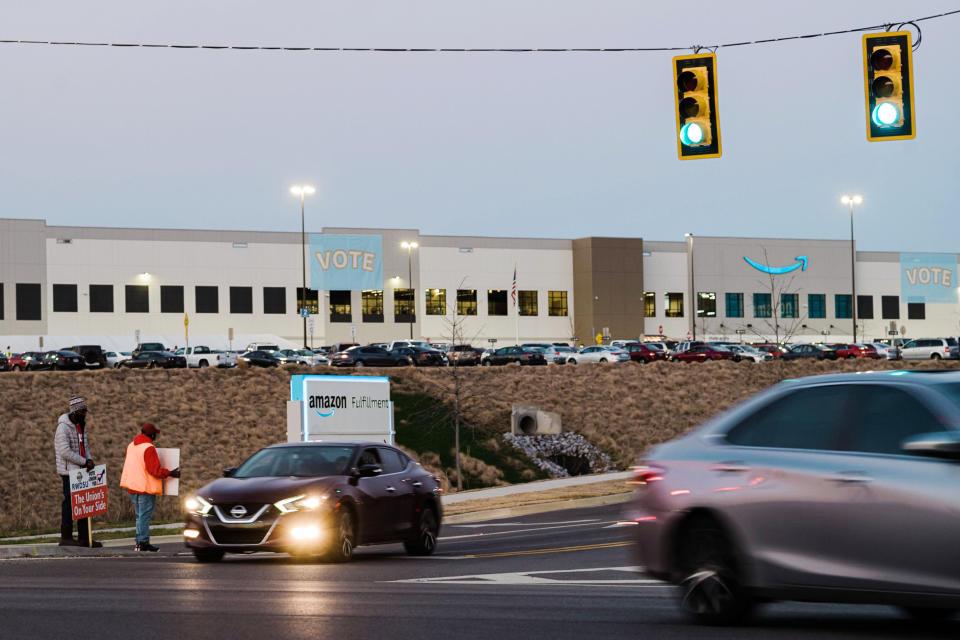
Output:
(66, 517)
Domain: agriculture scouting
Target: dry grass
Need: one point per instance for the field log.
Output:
(218, 417)
(610, 487)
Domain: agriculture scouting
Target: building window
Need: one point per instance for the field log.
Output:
(916, 311)
(673, 305)
(816, 305)
(312, 301)
(241, 299)
(706, 304)
(527, 303)
(137, 298)
(65, 297)
(557, 303)
(466, 302)
(274, 300)
(842, 303)
(28, 301)
(761, 305)
(890, 307)
(171, 299)
(436, 302)
(865, 307)
(207, 299)
(340, 310)
(101, 298)
(403, 310)
(649, 304)
(372, 305)
(789, 305)
(734, 305)
(496, 302)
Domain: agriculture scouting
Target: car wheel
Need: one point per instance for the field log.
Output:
(737, 359)
(851, 357)
(935, 356)
(602, 360)
(203, 363)
(152, 365)
(18, 368)
(710, 592)
(359, 363)
(487, 363)
(426, 541)
(208, 555)
(341, 547)
(571, 361)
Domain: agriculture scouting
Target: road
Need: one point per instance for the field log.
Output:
(565, 574)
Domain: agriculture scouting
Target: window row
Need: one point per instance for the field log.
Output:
(435, 304)
(786, 306)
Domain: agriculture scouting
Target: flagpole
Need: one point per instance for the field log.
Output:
(516, 309)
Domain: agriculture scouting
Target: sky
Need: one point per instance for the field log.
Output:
(557, 145)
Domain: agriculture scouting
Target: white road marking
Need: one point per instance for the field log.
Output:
(620, 524)
(520, 524)
(501, 533)
(542, 578)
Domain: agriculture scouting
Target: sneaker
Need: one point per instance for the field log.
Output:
(145, 546)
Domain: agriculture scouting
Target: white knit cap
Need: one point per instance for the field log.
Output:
(76, 403)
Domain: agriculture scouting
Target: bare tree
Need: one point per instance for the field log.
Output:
(780, 287)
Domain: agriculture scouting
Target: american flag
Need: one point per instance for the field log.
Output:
(513, 291)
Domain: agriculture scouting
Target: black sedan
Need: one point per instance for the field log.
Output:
(154, 360)
(520, 355)
(367, 357)
(259, 358)
(306, 498)
(420, 357)
(814, 351)
(63, 359)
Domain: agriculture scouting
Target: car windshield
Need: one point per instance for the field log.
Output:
(303, 461)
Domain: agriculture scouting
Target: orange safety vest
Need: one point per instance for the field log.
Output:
(135, 476)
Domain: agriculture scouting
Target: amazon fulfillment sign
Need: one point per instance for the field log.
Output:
(340, 409)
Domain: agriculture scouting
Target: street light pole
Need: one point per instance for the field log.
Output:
(410, 246)
(853, 201)
(303, 191)
(693, 287)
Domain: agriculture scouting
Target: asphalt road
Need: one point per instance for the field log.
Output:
(565, 574)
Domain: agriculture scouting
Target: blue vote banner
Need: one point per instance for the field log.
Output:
(346, 262)
(928, 277)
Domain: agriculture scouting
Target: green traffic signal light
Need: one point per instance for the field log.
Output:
(691, 134)
(885, 114)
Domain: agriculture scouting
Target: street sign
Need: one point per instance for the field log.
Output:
(599, 338)
(661, 329)
(353, 333)
(88, 492)
(741, 331)
(893, 333)
(492, 340)
(186, 320)
(304, 312)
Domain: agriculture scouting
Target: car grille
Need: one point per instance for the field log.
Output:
(239, 533)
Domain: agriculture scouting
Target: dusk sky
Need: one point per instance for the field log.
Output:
(555, 145)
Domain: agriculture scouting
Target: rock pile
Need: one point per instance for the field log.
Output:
(562, 454)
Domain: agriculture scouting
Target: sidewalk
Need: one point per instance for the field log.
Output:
(123, 547)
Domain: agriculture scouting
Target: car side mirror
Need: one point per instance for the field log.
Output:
(229, 471)
(942, 444)
(369, 470)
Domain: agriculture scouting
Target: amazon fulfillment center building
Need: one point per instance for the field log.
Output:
(67, 285)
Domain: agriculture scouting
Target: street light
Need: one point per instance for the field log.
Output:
(693, 288)
(303, 191)
(853, 201)
(410, 246)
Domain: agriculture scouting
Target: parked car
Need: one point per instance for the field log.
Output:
(367, 357)
(4, 363)
(200, 357)
(685, 345)
(599, 353)
(420, 357)
(846, 351)
(463, 355)
(930, 349)
(114, 358)
(92, 354)
(557, 354)
(309, 497)
(746, 353)
(155, 360)
(520, 355)
(814, 351)
(774, 350)
(27, 361)
(888, 351)
(63, 360)
(703, 352)
(642, 352)
(148, 346)
(263, 346)
(257, 358)
(805, 492)
(867, 350)
(396, 344)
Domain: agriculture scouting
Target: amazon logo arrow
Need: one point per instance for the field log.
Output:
(801, 264)
(325, 415)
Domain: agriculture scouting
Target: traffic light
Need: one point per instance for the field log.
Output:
(888, 78)
(695, 96)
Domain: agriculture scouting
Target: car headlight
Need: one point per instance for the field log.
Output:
(198, 505)
(299, 503)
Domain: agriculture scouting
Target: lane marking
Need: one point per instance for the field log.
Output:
(520, 524)
(542, 578)
(503, 533)
(616, 525)
(533, 552)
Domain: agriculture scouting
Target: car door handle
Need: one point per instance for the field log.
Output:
(730, 467)
(850, 477)
(390, 489)
(417, 484)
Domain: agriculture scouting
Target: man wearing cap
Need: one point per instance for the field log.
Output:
(73, 453)
(142, 477)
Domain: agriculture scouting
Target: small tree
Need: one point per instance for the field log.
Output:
(783, 329)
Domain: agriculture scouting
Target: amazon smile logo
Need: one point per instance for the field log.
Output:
(801, 263)
(325, 415)
(330, 403)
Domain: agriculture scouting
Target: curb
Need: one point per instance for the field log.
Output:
(120, 547)
(542, 507)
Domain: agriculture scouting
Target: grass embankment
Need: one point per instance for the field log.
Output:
(218, 417)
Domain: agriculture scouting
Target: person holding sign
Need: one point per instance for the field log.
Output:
(72, 452)
(142, 477)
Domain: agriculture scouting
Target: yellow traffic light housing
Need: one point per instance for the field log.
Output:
(888, 80)
(695, 98)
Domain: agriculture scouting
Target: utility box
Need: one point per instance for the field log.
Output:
(529, 420)
(339, 409)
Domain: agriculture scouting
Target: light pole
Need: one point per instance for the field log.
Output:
(410, 246)
(693, 288)
(853, 201)
(303, 191)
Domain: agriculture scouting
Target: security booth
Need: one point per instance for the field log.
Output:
(340, 409)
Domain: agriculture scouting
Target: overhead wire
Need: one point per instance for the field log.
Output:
(713, 47)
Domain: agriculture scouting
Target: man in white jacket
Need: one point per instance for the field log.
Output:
(73, 453)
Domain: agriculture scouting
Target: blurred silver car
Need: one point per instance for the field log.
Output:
(598, 353)
(745, 352)
(836, 488)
